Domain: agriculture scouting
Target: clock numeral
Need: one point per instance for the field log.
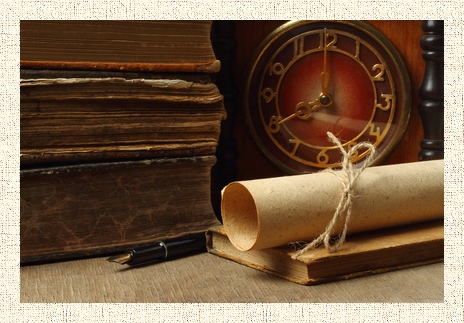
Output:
(268, 94)
(380, 69)
(331, 43)
(274, 124)
(276, 69)
(297, 143)
(298, 48)
(322, 157)
(374, 131)
(388, 100)
(331, 40)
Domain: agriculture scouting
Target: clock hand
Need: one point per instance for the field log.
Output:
(303, 110)
(325, 76)
(325, 99)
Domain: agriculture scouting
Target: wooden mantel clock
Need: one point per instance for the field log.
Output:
(310, 77)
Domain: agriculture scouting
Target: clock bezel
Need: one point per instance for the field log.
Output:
(289, 30)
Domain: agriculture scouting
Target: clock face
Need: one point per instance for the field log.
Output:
(308, 78)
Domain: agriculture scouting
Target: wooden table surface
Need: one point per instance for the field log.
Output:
(208, 278)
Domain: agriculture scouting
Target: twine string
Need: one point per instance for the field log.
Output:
(347, 176)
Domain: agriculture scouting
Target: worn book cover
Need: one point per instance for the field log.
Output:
(363, 254)
(118, 45)
(91, 209)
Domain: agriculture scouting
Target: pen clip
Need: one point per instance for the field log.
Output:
(162, 244)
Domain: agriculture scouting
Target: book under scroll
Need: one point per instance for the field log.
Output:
(363, 254)
(396, 221)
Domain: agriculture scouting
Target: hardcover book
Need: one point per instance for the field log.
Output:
(363, 254)
(119, 45)
(91, 209)
(75, 120)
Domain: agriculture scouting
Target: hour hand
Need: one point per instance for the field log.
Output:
(303, 110)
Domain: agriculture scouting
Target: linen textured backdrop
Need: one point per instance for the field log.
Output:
(449, 10)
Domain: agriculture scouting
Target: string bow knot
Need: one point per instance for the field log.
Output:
(347, 176)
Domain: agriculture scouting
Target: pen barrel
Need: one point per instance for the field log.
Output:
(153, 253)
(170, 249)
(186, 246)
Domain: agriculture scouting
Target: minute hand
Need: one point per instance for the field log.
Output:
(325, 76)
(325, 99)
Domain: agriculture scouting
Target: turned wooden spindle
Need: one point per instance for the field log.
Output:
(431, 108)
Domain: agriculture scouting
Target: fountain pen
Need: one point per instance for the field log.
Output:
(163, 250)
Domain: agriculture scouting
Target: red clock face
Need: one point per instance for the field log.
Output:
(309, 78)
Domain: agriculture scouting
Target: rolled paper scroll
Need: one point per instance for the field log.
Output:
(270, 212)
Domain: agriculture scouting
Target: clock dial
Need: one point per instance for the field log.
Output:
(308, 78)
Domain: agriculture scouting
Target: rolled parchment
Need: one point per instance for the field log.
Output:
(266, 213)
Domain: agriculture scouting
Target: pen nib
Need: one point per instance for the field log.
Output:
(120, 259)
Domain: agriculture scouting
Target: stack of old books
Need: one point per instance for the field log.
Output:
(119, 126)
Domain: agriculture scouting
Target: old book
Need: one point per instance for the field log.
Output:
(90, 209)
(102, 119)
(122, 45)
(119, 125)
(363, 254)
